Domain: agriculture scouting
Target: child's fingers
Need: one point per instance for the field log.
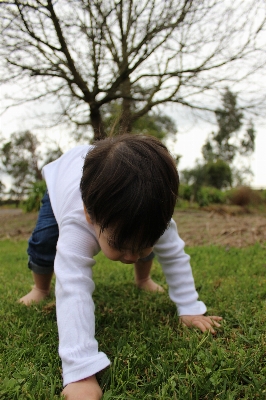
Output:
(212, 321)
(215, 318)
(209, 323)
(201, 322)
(204, 326)
(208, 327)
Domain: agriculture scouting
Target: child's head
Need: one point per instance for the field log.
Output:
(129, 185)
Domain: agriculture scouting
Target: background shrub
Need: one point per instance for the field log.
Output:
(218, 174)
(244, 196)
(210, 195)
(36, 194)
(185, 192)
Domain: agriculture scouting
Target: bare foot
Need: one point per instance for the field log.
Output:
(149, 285)
(34, 296)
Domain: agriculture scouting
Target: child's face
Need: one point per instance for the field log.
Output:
(125, 256)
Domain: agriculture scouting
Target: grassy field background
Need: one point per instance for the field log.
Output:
(152, 356)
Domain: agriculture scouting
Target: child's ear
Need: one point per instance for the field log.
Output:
(88, 218)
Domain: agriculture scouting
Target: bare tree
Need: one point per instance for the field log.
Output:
(84, 54)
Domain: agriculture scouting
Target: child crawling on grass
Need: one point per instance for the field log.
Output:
(117, 196)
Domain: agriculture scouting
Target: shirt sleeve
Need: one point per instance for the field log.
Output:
(177, 270)
(78, 347)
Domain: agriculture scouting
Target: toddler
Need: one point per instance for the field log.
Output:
(117, 196)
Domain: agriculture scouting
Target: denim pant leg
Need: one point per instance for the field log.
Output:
(42, 243)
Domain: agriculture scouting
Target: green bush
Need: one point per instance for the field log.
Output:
(185, 192)
(262, 194)
(210, 195)
(204, 195)
(218, 174)
(36, 193)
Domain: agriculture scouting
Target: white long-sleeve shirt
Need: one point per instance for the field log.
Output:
(76, 247)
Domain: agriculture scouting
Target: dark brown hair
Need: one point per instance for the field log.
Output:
(130, 185)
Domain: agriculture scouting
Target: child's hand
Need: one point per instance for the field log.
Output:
(86, 389)
(201, 322)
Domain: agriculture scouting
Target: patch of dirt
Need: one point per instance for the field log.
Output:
(14, 223)
(196, 227)
(220, 228)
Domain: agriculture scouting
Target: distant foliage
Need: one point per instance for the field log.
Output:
(263, 195)
(22, 157)
(204, 196)
(245, 196)
(185, 192)
(229, 141)
(210, 195)
(216, 174)
(242, 196)
(2, 188)
(222, 147)
(20, 160)
(229, 120)
(36, 194)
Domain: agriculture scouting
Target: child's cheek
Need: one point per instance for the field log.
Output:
(110, 253)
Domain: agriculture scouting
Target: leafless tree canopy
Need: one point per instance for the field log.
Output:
(83, 54)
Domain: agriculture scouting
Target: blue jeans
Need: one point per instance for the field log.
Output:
(42, 243)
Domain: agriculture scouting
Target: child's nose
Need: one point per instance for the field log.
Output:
(131, 257)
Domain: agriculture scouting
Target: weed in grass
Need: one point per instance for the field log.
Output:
(153, 358)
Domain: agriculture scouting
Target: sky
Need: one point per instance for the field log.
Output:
(190, 139)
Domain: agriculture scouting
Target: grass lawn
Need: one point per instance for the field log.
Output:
(152, 356)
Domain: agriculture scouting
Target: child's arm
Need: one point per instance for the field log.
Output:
(176, 267)
(78, 347)
(86, 389)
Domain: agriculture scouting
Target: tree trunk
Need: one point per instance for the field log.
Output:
(97, 123)
(125, 122)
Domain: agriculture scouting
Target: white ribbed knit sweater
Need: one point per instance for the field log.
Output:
(76, 247)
